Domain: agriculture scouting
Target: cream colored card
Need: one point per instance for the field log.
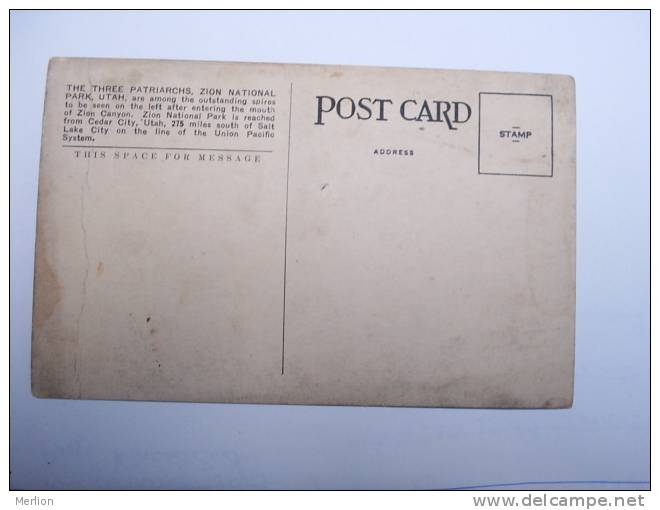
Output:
(275, 233)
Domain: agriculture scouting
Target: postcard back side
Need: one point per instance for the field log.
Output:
(270, 233)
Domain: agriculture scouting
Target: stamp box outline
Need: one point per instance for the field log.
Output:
(552, 148)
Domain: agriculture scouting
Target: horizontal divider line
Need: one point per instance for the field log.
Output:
(160, 148)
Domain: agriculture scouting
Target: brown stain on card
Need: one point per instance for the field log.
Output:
(99, 269)
(48, 289)
(54, 346)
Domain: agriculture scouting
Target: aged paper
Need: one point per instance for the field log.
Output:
(270, 233)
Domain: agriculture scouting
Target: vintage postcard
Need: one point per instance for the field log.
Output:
(305, 234)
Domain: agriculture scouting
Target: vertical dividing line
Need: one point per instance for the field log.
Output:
(286, 221)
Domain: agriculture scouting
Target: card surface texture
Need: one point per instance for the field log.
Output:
(305, 234)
